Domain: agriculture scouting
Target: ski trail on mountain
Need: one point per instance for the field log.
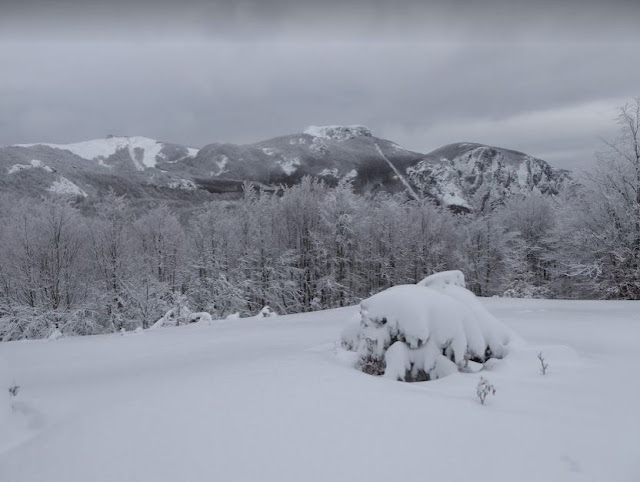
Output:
(400, 176)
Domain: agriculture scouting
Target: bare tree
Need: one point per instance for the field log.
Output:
(544, 366)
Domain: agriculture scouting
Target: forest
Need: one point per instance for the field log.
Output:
(309, 247)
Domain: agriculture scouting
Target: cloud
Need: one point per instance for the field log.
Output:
(530, 78)
(568, 136)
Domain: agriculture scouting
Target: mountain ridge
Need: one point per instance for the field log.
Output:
(142, 167)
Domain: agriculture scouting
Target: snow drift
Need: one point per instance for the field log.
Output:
(425, 331)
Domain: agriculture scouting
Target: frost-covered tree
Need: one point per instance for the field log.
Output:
(485, 253)
(529, 265)
(159, 265)
(45, 269)
(110, 240)
(600, 228)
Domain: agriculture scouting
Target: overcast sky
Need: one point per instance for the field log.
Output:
(543, 79)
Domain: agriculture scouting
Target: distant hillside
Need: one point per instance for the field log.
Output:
(455, 175)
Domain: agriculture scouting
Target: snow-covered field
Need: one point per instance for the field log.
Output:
(275, 400)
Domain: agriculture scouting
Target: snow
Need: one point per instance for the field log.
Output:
(183, 184)
(103, 148)
(329, 173)
(482, 329)
(34, 164)
(221, 162)
(289, 164)
(66, 188)
(352, 174)
(338, 133)
(443, 278)
(275, 400)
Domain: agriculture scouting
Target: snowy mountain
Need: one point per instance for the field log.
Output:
(456, 175)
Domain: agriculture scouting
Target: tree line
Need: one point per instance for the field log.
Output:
(311, 247)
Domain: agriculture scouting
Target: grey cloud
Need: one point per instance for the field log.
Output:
(196, 73)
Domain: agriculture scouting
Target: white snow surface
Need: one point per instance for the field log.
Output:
(65, 187)
(442, 278)
(276, 400)
(103, 148)
(338, 133)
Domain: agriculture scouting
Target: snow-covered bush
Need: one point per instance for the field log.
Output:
(266, 312)
(425, 331)
(182, 316)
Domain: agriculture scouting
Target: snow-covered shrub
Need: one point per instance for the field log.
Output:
(484, 389)
(170, 318)
(266, 312)
(418, 332)
(182, 316)
(202, 317)
(233, 316)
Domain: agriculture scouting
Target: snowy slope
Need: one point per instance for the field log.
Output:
(143, 151)
(274, 400)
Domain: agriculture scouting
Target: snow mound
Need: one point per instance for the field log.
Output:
(443, 278)
(143, 151)
(66, 188)
(418, 333)
(338, 133)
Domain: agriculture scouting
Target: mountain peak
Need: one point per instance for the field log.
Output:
(338, 133)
